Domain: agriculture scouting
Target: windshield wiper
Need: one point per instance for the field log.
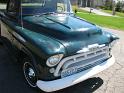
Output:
(49, 13)
(64, 13)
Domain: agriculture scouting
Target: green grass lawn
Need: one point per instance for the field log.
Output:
(117, 13)
(110, 22)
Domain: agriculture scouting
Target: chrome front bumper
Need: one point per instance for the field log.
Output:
(50, 86)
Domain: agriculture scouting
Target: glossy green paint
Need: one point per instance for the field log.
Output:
(52, 34)
(49, 35)
(72, 32)
(40, 44)
(40, 47)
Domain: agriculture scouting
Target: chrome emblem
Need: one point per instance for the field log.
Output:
(92, 47)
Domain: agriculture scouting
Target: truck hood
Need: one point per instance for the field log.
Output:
(72, 32)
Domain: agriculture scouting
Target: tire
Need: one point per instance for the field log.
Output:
(30, 73)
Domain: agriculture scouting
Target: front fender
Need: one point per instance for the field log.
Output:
(110, 35)
(41, 47)
(40, 44)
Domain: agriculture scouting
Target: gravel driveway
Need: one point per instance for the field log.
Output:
(114, 76)
(108, 81)
(96, 11)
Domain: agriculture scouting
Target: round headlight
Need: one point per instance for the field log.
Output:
(54, 60)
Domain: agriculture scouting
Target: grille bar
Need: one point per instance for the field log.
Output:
(82, 59)
(85, 62)
(81, 68)
(85, 58)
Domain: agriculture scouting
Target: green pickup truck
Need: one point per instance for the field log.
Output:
(57, 48)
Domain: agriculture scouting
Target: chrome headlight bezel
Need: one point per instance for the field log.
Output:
(54, 60)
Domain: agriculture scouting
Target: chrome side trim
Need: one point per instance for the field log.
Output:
(18, 36)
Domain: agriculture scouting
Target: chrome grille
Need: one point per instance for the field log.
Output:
(86, 62)
(83, 59)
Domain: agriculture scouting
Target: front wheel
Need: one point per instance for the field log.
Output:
(30, 73)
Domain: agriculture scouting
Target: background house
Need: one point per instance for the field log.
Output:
(88, 3)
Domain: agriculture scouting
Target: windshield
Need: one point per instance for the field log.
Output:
(30, 7)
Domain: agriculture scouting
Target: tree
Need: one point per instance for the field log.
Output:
(122, 9)
(119, 6)
(108, 4)
(113, 7)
